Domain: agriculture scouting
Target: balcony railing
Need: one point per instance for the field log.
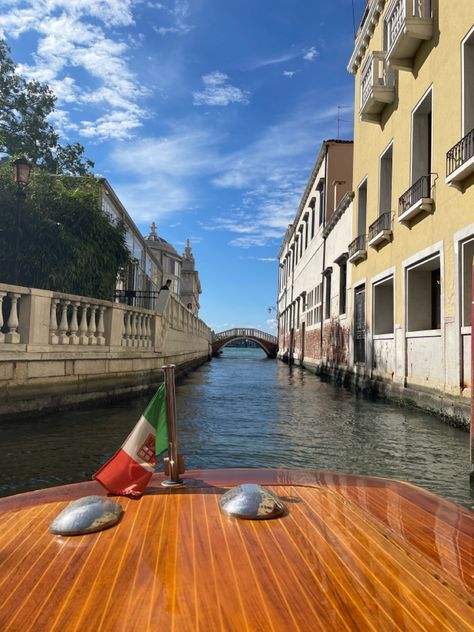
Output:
(377, 85)
(357, 248)
(407, 23)
(418, 192)
(460, 154)
(383, 222)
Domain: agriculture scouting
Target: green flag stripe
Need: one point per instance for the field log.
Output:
(155, 414)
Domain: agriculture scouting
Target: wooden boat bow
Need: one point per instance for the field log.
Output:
(353, 553)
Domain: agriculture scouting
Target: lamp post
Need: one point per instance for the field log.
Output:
(21, 170)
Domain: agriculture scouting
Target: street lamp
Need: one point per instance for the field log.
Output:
(21, 171)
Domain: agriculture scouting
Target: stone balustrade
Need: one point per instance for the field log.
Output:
(59, 350)
(33, 318)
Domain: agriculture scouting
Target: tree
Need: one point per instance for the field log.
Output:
(24, 127)
(68, 243)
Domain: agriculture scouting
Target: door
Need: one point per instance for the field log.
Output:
(359, 325)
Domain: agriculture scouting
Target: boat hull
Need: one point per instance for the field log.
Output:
(352, 553)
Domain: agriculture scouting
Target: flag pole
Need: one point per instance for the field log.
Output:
(174, 479)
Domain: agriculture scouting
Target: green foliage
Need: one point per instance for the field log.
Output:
(67, 242)
(24, 126)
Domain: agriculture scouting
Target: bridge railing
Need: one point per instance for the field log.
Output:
(245, 333)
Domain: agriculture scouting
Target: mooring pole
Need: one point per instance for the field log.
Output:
(471, 437)
(171, 417)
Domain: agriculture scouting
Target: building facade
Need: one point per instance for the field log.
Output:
(141, 282)
(313, 310)
(413, 214)
(180, 270)
(190, 282)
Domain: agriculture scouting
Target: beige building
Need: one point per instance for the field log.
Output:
(180, 270)
(140, 283)
(413, 214)
(313, 310)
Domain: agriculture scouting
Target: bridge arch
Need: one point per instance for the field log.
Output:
(265, 341)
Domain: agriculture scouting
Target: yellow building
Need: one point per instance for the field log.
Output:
(413, 217)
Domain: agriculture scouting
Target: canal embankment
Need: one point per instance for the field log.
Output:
(59, 351)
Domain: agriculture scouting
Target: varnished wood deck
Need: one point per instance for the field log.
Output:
(354, 553)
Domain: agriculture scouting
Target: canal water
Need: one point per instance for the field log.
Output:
(244, 410)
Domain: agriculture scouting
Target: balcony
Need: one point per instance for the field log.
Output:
(380, 231)
(416, 200)
(407, 23)
(357, 249)
(376, 87)
(460, 161)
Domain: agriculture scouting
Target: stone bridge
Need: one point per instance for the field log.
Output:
(266, 341)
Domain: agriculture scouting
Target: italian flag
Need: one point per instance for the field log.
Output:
(129, 471)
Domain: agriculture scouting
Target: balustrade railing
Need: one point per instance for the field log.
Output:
(419, 190)
(245, 332)
(39, 318)
(397, 13)
(375, 73)
(137, 329)
(460, 153)
(76, 321)
(357, 245)
(9, 317)
(383, 222)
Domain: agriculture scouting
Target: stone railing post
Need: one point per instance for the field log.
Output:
(73, 326)
(35, 317)
(113, 324)
(101, 327)
(92, 326)
(83, 327)
(53, 322)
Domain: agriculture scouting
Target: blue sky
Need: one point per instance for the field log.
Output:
(205, 116)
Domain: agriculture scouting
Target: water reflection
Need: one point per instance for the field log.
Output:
(243, 410)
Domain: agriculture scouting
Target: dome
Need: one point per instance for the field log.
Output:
(158, 243)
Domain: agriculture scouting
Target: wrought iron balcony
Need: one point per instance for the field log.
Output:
(407, 24)
(357, 249)
(416, 199)
(381, 230)
(376, 87)
(460, 160)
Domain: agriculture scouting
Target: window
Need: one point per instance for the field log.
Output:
(385, 190)
(421, 139)
(321, 189)
(306, 234)
(362, 208)
(313, 215)
(327, 301)
(468, 83)
(342, 286)
(467, 254)
(318, 301)
(424, 295)
(382, 296)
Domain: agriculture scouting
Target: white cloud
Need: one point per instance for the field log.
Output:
(73, 35)
(311, 54)
(289, 73)
(164, 175)
(218, 91)
(178, 13)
